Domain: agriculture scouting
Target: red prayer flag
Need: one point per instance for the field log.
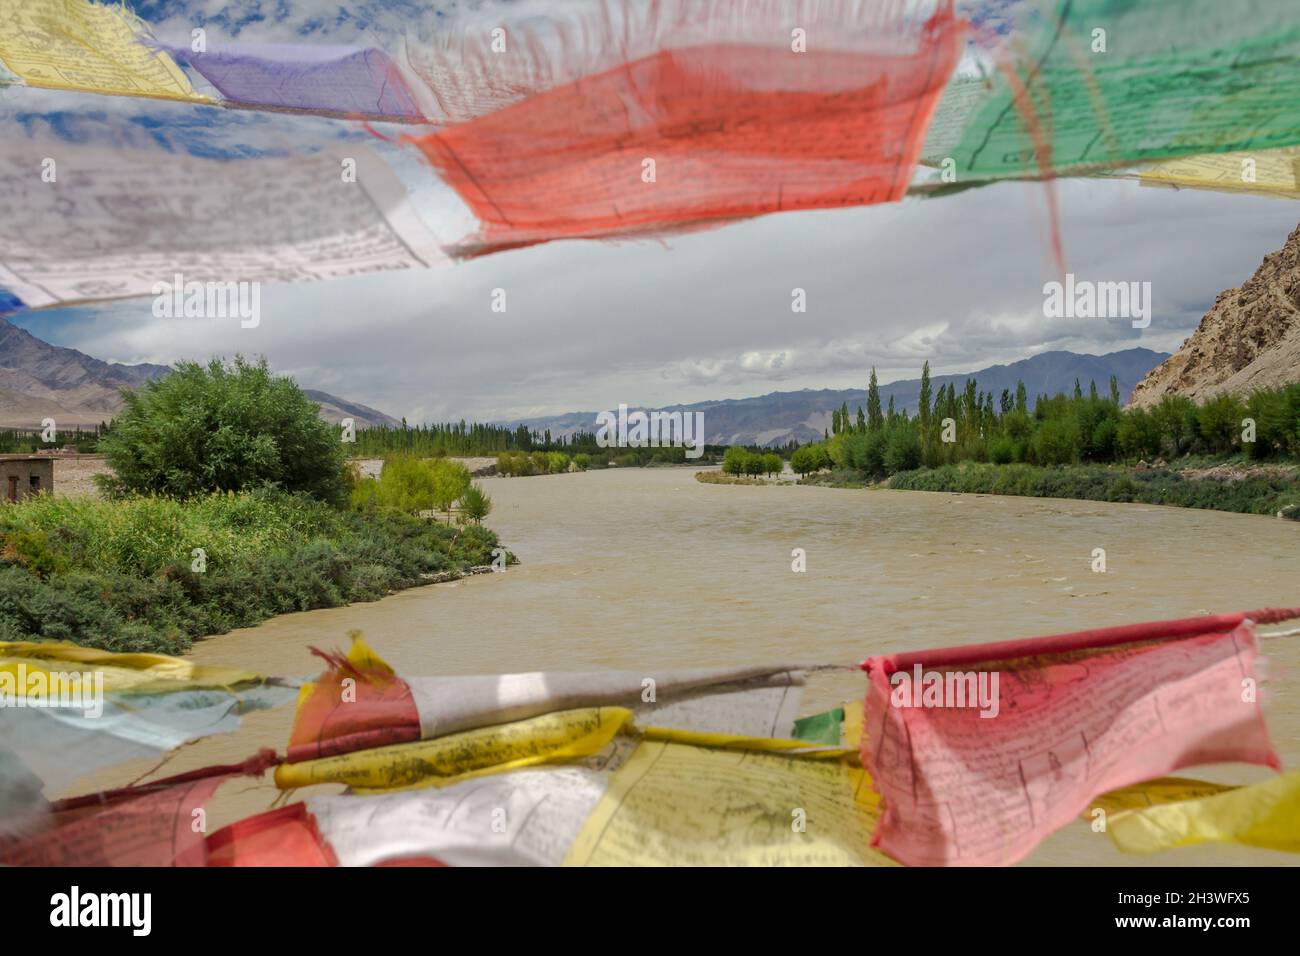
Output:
(1067, 717)
(358, 703)
(691, 135)
(286, 836)
(157, 828)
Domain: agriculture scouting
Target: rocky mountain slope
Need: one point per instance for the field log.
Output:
(39, 380)
(1249, 339)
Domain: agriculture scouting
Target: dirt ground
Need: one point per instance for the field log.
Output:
(73, 476)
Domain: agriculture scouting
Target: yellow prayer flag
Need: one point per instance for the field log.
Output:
(1263, 815)
(676, 804)
(551, 738)
(1275, 172)
(1153, 793)
(131, 673)
(79, 45)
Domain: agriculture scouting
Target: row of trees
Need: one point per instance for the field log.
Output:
(457, 439)
(975, 425)
(518, 463)
(25, 440)
(741, 461)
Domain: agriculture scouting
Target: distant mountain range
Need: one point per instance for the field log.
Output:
(39, 380)
(779, 417)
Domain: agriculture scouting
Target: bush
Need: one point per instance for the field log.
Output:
(582, 460)
(1220, 424)
(903, 450)
(1056, 442)
(124, 575)
(412, 485)
(223, 427)
(1263, 496)
(1003, 450)
(1138, 435)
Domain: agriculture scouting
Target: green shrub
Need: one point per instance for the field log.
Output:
(1003, 450)
(903, 450)
(123, 575)
(223, 427)
(1056, 442)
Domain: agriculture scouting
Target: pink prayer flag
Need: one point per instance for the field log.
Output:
(981, 752)
(160, 827)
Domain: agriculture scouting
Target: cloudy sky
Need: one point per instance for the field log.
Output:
(956, 280)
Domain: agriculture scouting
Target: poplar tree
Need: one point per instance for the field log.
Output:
(924, 409)
(874, 419)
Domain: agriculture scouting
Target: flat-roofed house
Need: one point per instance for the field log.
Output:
(23, 475)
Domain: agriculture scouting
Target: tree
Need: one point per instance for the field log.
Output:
(1220, 423)
(222, 427)
(451, 480)
(1056, 442)
(475, 505)
(803, 461)
(924, 409)
(875, 420)
(733, 461)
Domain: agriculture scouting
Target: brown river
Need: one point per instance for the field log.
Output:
(633, 568)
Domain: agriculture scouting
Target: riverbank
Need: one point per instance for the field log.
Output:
(718, 477)
(1259, 490)
(156, 574)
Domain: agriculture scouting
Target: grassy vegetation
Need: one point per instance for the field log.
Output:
(1159, 486)
(722, 478)
(126, 576)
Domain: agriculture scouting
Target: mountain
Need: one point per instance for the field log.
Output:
(779, 417)
(1249, 339)
(39, 380)
(335, 409)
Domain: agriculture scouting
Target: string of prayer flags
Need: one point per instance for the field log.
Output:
(708, 112)
(981, 752)
(67, 710)
(360, 702)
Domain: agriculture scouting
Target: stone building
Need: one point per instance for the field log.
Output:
(23, 475)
